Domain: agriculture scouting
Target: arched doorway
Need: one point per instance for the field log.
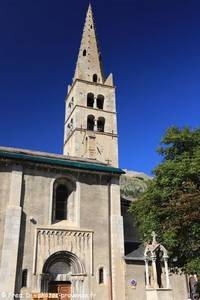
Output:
(61, 275)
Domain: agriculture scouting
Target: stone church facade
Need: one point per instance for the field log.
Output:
(65, 231)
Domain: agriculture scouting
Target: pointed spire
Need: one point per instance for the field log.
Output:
(88, 65)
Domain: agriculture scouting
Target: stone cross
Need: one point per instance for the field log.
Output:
(154, 235)
(108, 161)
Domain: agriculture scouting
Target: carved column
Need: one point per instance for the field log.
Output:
(147, 272)
(95, 102)
(95, 124)
(166, 271)
(154, 272)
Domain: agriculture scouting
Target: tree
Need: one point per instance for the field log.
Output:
(170, 206)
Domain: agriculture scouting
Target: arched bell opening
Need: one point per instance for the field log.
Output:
(101, 124)
(90, 100)
(100, 101)
(90, 122)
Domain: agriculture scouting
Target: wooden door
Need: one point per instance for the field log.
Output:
(56, 291)
(64, 291)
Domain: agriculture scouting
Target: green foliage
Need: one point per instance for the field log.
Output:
(171, 204)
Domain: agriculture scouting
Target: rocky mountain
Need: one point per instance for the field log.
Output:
(132, 184)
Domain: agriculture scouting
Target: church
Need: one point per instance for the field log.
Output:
(65, 228)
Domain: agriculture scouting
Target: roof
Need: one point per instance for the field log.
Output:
(134, 250)
(57, 160)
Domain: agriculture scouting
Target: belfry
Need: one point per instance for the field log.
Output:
(90, 115)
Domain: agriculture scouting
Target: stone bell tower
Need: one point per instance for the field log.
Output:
(90, 116)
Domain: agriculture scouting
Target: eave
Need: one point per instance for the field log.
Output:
(57, 161)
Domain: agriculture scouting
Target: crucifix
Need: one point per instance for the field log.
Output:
(108, 161)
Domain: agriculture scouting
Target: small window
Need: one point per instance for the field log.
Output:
(95, 78)
(90, 122)
(101, 275)
(24, 277)
(71, 103)
(100, 101)
(100, 124)
(91, 26)
(84, 52)
(90, 100)
(70, 125)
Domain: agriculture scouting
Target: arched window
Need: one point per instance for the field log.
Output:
(61, 203)
(90, 100)
(101, 275)
(24, 277)
(95, 78)
(100, 101)
(62, 200)
(100, 124)
(90, 122)
(84, 52)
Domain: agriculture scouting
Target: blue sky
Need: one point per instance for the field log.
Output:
(152, 48)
